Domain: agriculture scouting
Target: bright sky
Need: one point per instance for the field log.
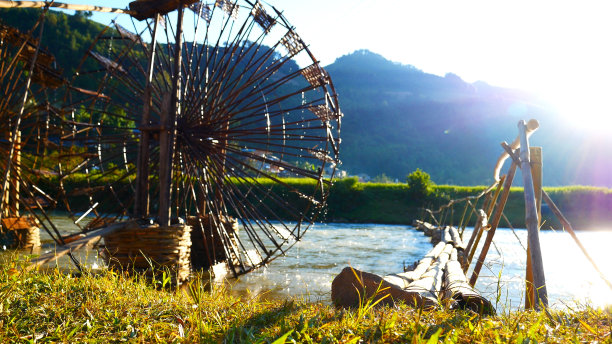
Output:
(560, 49)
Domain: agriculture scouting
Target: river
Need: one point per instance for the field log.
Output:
(307, 270)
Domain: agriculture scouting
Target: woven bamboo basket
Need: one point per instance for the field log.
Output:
(208, 247)
(21, 232)
(150, 249)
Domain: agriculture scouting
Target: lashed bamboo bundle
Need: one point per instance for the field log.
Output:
(437, 278)
(150, 247)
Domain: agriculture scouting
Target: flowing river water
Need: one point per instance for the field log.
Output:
(307, 270)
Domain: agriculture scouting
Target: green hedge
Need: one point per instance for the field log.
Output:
(352, 201)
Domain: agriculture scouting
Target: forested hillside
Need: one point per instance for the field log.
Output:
(398, 118)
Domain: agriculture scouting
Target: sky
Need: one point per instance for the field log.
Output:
(560, 50)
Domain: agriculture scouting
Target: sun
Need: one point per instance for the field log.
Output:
(584, 103)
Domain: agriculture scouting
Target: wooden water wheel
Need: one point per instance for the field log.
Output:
(28, 83)
(203, 113)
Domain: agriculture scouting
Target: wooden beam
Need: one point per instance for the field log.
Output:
(167, 137)
(76, 7)
(141, 203)
(536, 173)
(144, 9)
(60, 251)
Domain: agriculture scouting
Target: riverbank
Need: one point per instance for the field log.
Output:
(587, 208)
(44, 307)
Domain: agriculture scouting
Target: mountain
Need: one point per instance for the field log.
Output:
(398, 118)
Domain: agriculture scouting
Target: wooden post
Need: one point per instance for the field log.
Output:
(531, 221)
(499, 210)
(168, 135)
(141, 204)
(536, 173)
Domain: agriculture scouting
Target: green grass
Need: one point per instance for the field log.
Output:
(112, 307)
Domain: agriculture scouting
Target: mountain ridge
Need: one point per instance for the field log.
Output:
(399, 118)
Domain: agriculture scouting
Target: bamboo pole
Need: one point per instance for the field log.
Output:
(499, 210)
(76, 7)
(531, 221)
(536, 173)
(489, 206)
(481, 222)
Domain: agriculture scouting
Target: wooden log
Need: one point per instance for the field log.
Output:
(351, 287)
(422, 225)
(458, 242)
(446, 236)
(459, 292)
(531, 219)
(429, 286)
(403, 279)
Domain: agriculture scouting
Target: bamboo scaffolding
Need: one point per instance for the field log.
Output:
(567, 226)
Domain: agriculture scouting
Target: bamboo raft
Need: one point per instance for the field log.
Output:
(437, 279)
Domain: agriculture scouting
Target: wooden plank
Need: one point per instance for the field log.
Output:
(60, 251)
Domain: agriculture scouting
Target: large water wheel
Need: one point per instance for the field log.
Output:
(28, 83)
(207, 113)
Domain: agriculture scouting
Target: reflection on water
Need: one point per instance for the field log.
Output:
(307, 270)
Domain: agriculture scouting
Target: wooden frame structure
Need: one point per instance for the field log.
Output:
(490, 213)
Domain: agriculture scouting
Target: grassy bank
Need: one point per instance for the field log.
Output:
(399, 203)
(53, 307)
(351, 201)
